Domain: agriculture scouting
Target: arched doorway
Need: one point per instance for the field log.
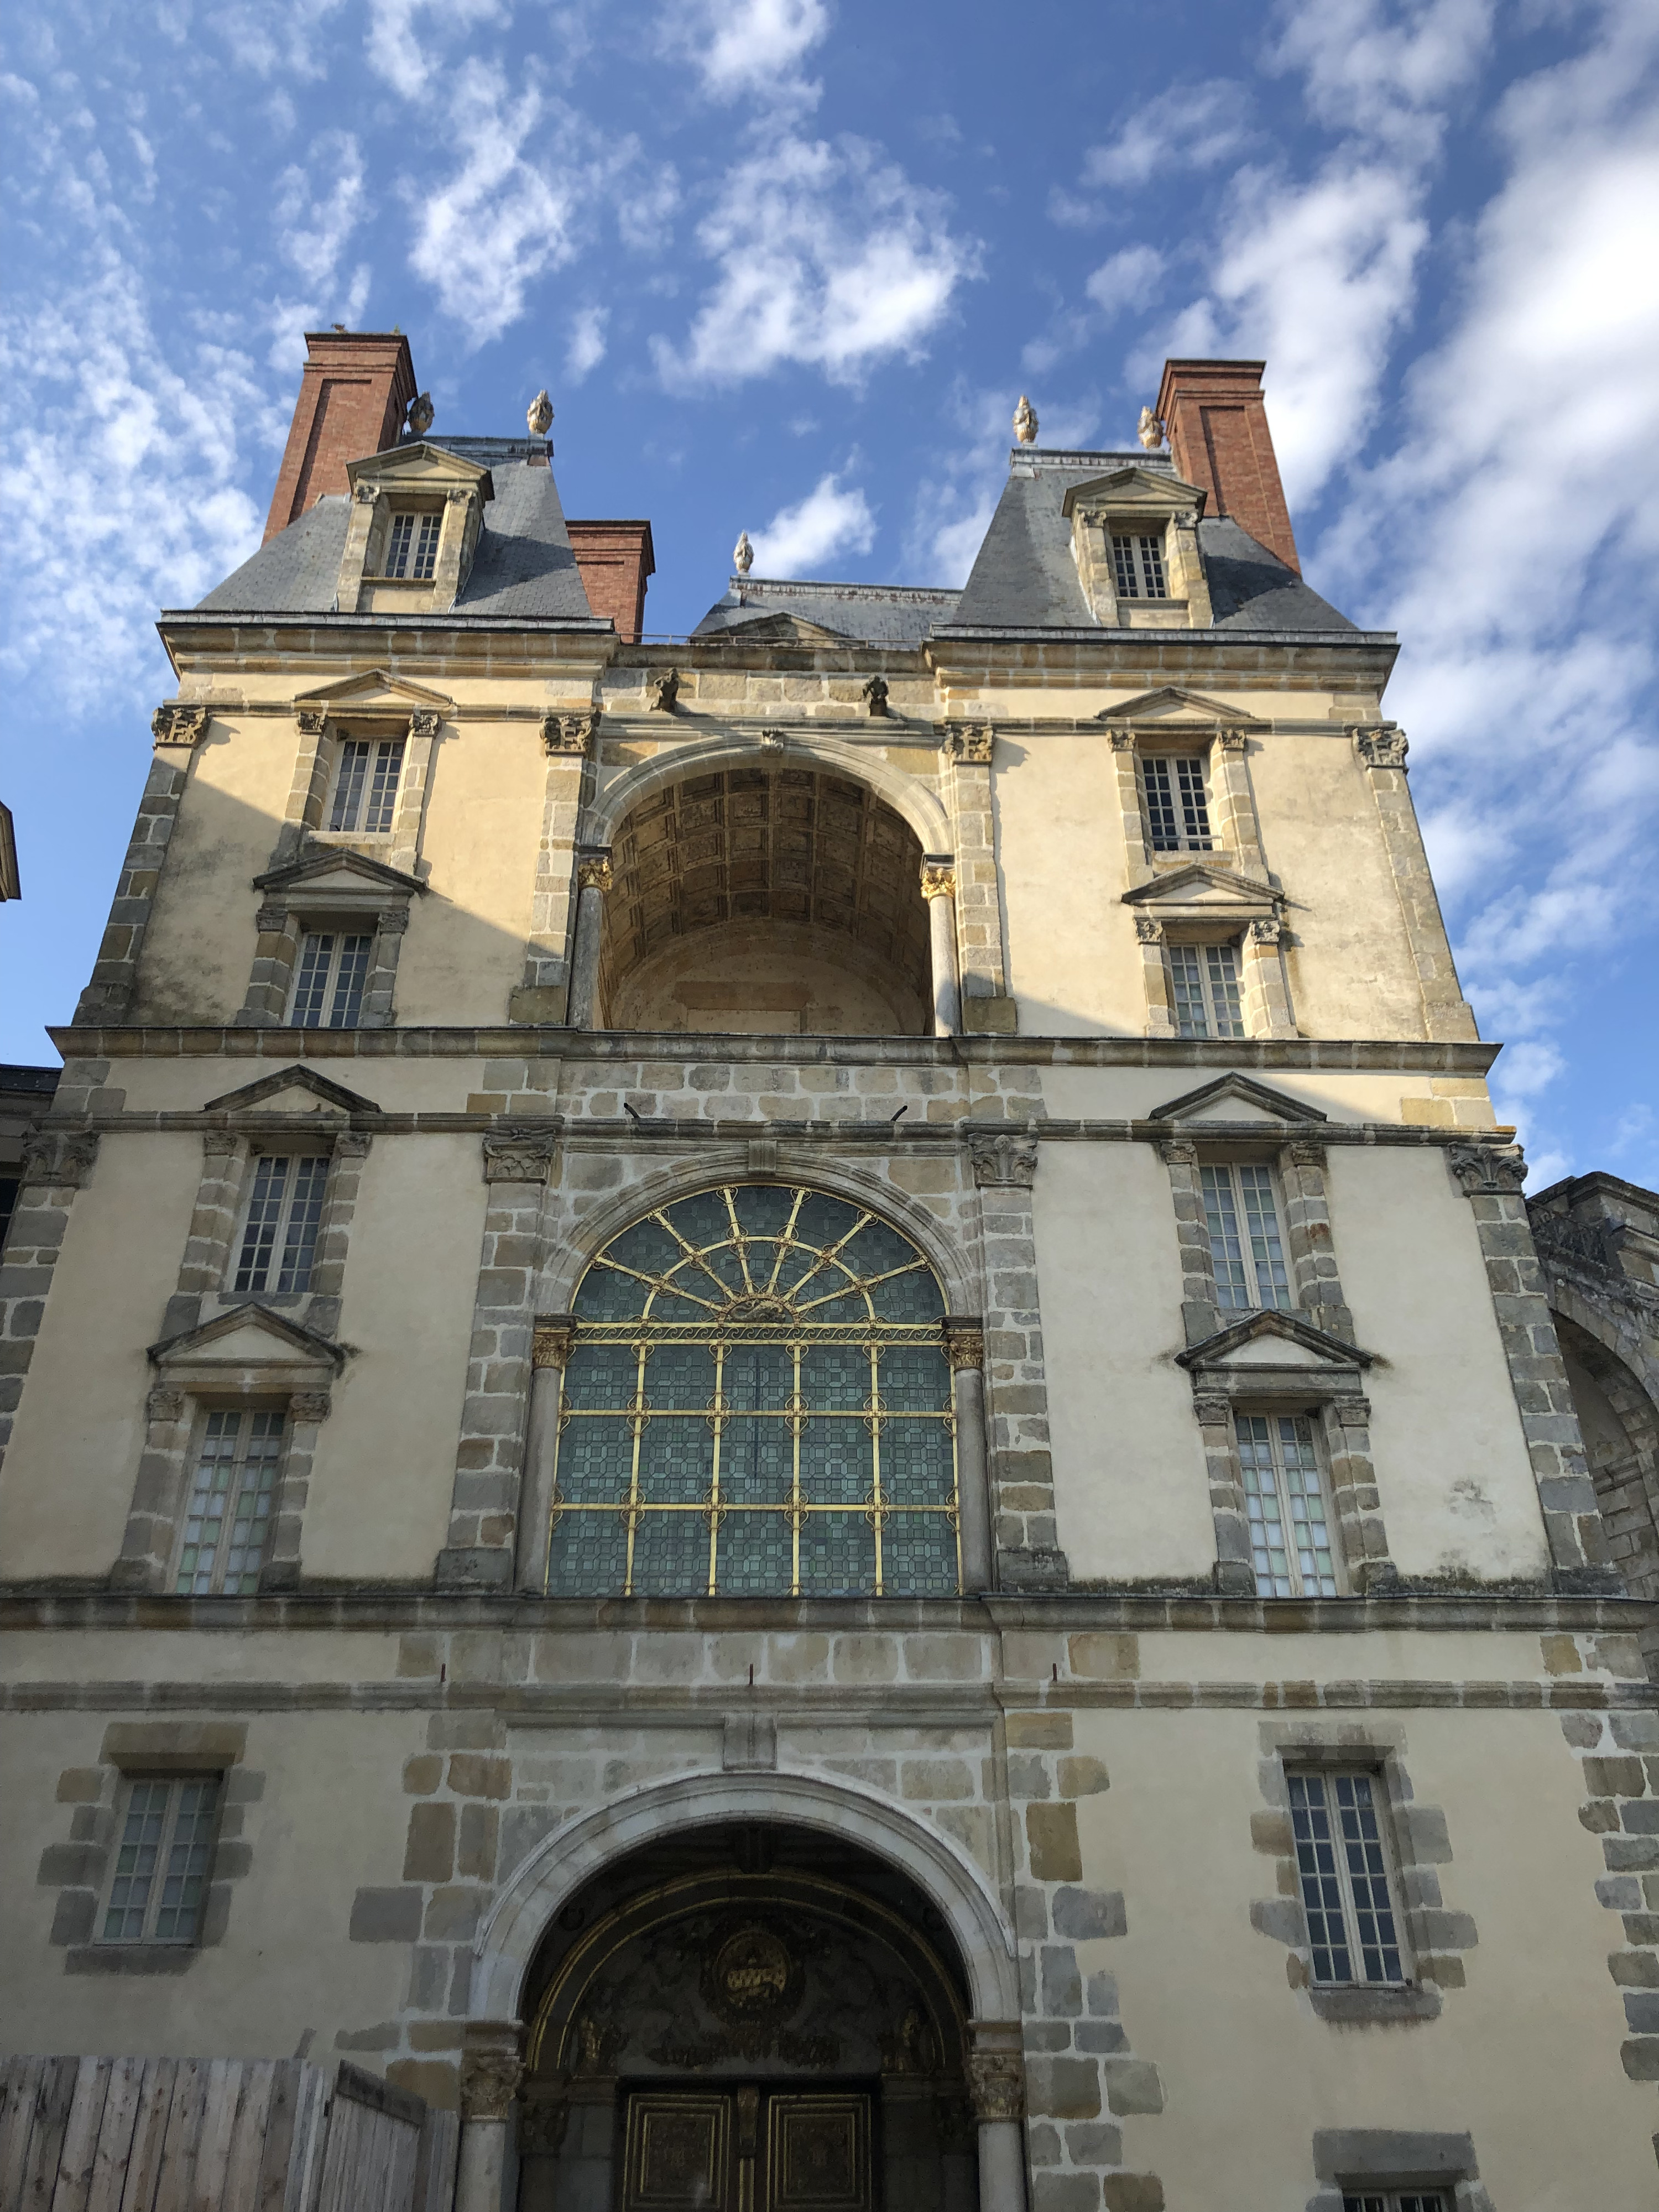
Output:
(1621, 1427)
(785, 900)
(744, 2018)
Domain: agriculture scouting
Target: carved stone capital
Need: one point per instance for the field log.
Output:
(1264, 930)
(313, 720)
(1488, 1171)
(1351, 1412)
(554, 1341)
(1212, 1412)
(595, 874)
(352, 1145)
(367, 494)
(178, 725)
(1121, 741)
(163, 1405)
(971, 747)
(1382, 746)
(965, 1342)
(938, 881)
(1004, 1162)
(220, 1144)
(270, 919)
(996, 2085)
(59, 1159)
(568, 735)
(1149, 929)
(309, 1406)
(392, 921)
(520, 1156)
(424, 722)
(491, 2069)
(1179, 1152)
(1306, 1152)
(1232, 741)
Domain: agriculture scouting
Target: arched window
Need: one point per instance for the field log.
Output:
(756, 1403)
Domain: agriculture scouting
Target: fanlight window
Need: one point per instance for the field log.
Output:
(757, 1403)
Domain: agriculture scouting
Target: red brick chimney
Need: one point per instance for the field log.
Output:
(354, 395)
(1216, 420)
(614, 559)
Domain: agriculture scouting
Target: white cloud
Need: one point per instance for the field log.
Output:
(587, 348)
(1188, 127)
(274, 40)
(313, 231)
(749, 49)
(827, 257)
(1128, 280)
(1386, 68)
(393, 45)
(828, 522)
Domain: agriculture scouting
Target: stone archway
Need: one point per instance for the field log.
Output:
(1621, 1426)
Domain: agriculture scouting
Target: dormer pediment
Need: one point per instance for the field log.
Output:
(780, 630)
(1179, 712)
(419, 467)
(248, 1348)
(1135, 490)
(333, 872)
(377, 693)
(1201, 886)
(417, 516)
(1235, 1098)
(1274, 1339)
(292, 1091)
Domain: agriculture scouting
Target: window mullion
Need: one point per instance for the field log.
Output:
(636, 1423)
(878, 1516)
(797, 1506)
(717, 1424)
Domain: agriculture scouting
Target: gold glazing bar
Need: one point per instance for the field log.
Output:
(634, 1508)
(719, 1426)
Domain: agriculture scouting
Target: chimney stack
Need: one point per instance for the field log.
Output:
(613, 560)
(354, 395)
(1216, 420)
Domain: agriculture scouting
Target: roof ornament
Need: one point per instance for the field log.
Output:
(421, 414)
(742, 554)
(539, 414)
(874, 696)
(1025, 422)
(1150, 430)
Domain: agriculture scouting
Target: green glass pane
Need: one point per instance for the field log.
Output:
(914, 1377)
(646, 1248)
(604, 1375)
(836, 1466)
(832, 1296)
(757, 1462)
(756, 1555)
(835, 1377)
(758, 1377)
(666, 1306)
(837, 1555)
(915, 1462)
(765, 1272)
(701, 1220)
(764, 1208)
(693, 1279)
(596, 1456)
(918, 1556)
(604, 1295)
(913, 1296)
(671, 1555)
(823, 1220)
(876, 1250)
(680, 1375)
(587, 1556)
(677, 1460)
(721, 1260)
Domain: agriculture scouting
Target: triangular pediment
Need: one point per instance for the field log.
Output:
(1235, 1098)
(1201, 886)
(293, 1091)
(1273, 1340)
(394, 694)
(1172, 704)
(778, 629)
(1147, 490)
(336, 870)
(249, 1336)
(418, 466)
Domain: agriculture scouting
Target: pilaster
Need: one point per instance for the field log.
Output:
(986, 1004)
(1381, 752)
(544, 992)
(110, 994)
(56, 1163)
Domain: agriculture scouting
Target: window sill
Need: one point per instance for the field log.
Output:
(1375, 2006)
(129, 1958)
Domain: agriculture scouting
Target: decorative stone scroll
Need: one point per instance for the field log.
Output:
(595, 873)
(996, 2085)
(491, 2069)
(567, 734)
(1488, 1171)
(938, 881)
(1383, 746)
(62, 1160)
(313, 721)
(178, 725)
(971, 747)
(1004, 1162)
(964, 1344)
(520, 1156)
(553, 1345)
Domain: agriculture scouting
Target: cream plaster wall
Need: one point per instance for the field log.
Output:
(67, 1485)
(1130, 1494)
(1073, 964)
(1525, 2057)
(384, 1470)
(1452, 1467)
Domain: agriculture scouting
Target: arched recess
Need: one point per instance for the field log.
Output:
(1620, 1422)
(547, 1880)
(910, 799)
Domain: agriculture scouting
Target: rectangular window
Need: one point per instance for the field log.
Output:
(232, 1497)
(365, 785)
(412, 548)
(284, 1212)
(1395, 2200)
(1177, 811)
(1289, 1536)
(1243, 1218)
(162, 1863)
(1343, 1868)
(329, 992)
(1139, 561)
(1203, 981)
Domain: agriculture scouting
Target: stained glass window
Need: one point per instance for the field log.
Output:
(756, 1403)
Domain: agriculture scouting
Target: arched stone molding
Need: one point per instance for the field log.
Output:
(546, 1882)
(1627, 1482)
(908, 798)
(956, 1266)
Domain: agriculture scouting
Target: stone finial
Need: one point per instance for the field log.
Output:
(539, 414)
(874, 696)
(742, 554)
(664, 690)
(1025, 422)
(1150, 430)
(420, 415)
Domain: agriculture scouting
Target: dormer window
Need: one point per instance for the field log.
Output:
(411, 548)
(1139, 561)
(1177, 810)
(365, 783)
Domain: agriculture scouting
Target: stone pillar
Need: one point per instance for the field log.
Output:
(965, 1347)
(555, 1334)
(1160, 1004)
(1267, 1000)
(543, 995)
(491, 2070)
(56, 1164)
(110, 995)
(1233, 803)
(986, 1003)
(996, 2088)
(938, 888)
(1382, 753)
(593, 874)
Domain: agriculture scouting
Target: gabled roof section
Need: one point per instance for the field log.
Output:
(377, 688)
(1172, 704)
(249, 1336)
(334, 868)
(273, 1091)
(1201, 884)
(1274, 1339)
(861, 614)
(1135, 485)
(1255, 1099)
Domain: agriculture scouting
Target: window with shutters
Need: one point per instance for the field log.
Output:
(159, 1882)
(1285, 1504)
(284, 1213)
(1204, 988)
(1177, 805)
(233, 1496)
(365, 780)
(1241, 1212)
(1339, 1825)
(329, 979)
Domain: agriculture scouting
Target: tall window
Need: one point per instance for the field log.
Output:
(1343, 1867)
(757, 1404)
(162, 1860)
(1204, 983)
(232, 1497)
(365, 785)
(279, 1241)
(1138, 560)
(412, 549)
(1243, 1218)
(1395, 2200)
(1177, 811)
(1290, 1535)
(328, 991)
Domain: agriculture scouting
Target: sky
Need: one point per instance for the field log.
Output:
(786, 265)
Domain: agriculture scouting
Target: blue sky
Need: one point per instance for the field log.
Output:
(786, 265)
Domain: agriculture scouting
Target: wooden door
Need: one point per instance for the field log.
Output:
(747, 2149)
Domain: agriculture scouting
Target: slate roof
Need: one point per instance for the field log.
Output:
(867, 614)
(524, 568)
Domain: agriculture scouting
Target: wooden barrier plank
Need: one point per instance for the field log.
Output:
(155, 2095)
(184, 2133)
(52, 2100)
(272, 2189)
(435, 2179)
(310, 2131)
(115, 2135)
(241, 2189)
(75, 2160)
(20, 2086)
(207, 2177)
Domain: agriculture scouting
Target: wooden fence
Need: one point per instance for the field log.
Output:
(217, 2135)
